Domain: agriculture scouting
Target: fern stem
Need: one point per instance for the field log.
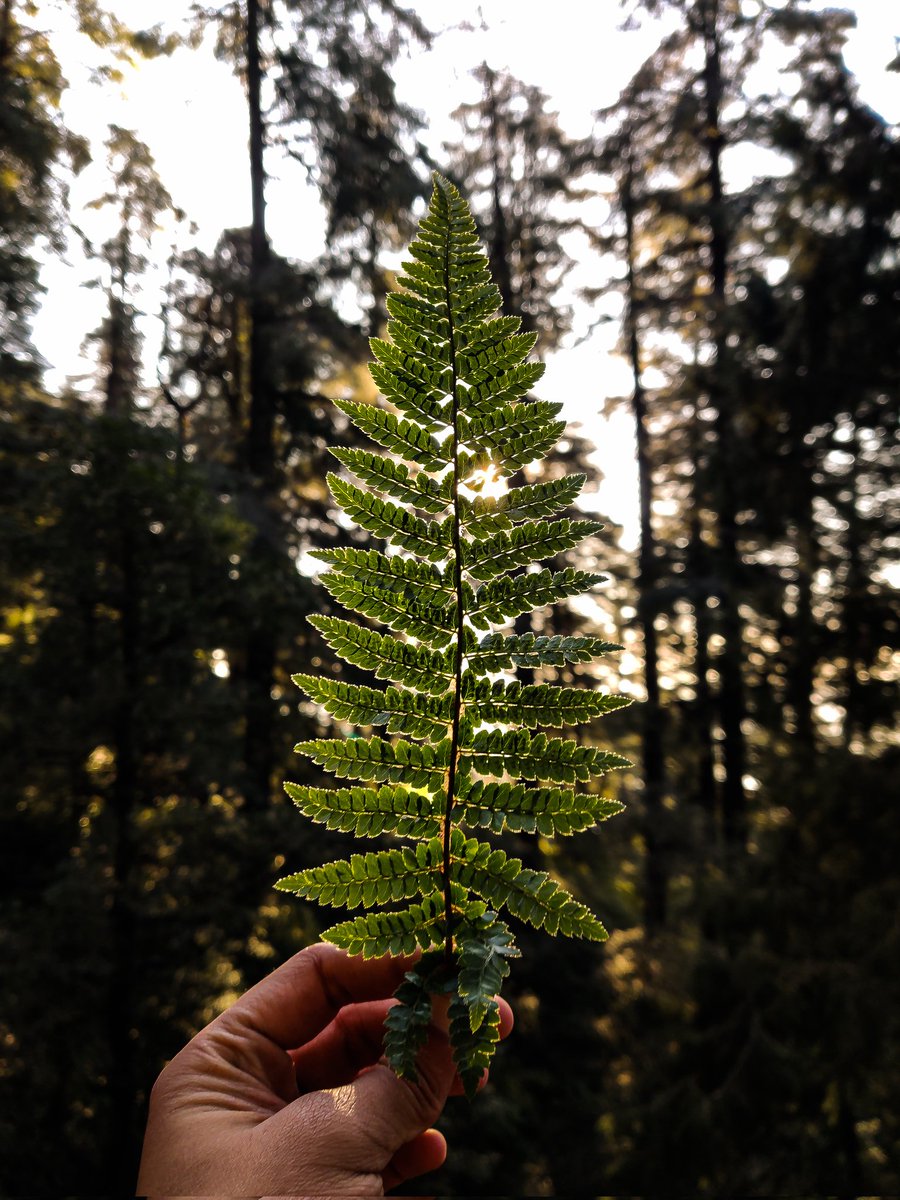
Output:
(460, 620)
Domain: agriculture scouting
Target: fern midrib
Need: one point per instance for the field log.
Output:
(460, 612)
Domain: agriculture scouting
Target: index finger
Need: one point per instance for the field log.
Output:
(297, 1001)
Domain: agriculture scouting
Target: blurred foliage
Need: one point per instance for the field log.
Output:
(747, 1045)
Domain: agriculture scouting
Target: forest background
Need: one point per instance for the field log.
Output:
(727, 224)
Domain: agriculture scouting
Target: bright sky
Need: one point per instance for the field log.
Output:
(191, 112)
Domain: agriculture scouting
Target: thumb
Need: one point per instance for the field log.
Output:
(360, 1127)
(388, 1111)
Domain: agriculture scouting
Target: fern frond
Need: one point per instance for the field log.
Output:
(555, 759)
(406, 1025)
(419, 926)
(403, 437)
(472, 1049)
(400, 662)
(458, 562)
(397, 610)
(378, 877)
(497, 601)
(524, 545)
(408, 596)
(520, 809)
(484, 516)
(389, 572)
(402, 712)
(491, 409)
(483, 950)
(368, 812)
(381, 761)
(428, 539)
(533, 705)
(532, 896)
(488, 358)
(395, 479)
(496, 652)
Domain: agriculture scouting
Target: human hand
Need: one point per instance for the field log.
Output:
(285, 1094)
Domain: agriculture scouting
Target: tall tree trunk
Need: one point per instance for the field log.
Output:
(855, 587)
(5, 34)
(378, 314)
(698, 571)
(499, 249)
(802, 659)
(732, 703)
(117, 400)
(261, 644)
(652, 753)
(501, 272)
(261, 426)
(123, 1148)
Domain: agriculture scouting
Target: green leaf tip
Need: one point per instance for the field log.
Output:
(460, 744)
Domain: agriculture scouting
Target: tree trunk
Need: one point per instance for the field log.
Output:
(732, 703)
(261, 645)
(123, 1148)
(498, 251)
(5, 34)
(261, 424)
(855, 587)
(698, 571)
(652, 753)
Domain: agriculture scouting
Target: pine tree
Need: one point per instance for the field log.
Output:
(455, 377)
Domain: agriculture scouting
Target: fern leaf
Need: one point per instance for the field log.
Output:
(484, 516)
(538, 757)
(378, 877)
(428, 539)
(406, 1025)
(483, 950)
(419, 926)
(524, 545)
(494, 652)
(532, 896)
(497, 601)
(536, 704)
(403, 437)
(491, 401)
(482, 343)
(389, 573)
(433, 626)
(490, 358)
(368, 812)
(472, 1049)
(407, 596)
(394, 479)
(381, 761)
(400, 662)
(497, 423)
(419, 314)
(402, 712)
(548, 811)
(458, 561)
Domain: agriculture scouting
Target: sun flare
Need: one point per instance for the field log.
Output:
(487, 483)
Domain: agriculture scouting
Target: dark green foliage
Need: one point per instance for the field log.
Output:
(457, 377)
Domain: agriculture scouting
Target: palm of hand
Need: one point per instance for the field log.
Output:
(285, 1093)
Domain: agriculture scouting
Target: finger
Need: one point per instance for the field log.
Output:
(354, 1040)
(387, 1112)
(297, 1001)
(507, 1019)
(424, 1153)
(363, 1124)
